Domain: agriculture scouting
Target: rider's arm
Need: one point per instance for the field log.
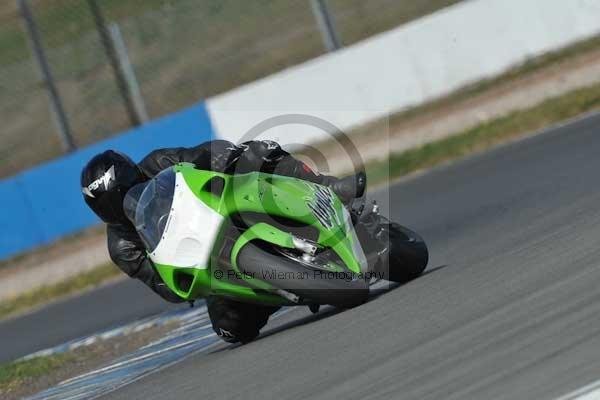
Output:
(127, 251)
(214, 155)
(268, 156)
(223, 156)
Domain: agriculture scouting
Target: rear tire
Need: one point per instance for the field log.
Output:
(408, 254)
(316, 286)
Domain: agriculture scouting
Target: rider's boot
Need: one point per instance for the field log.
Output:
(369, 225)
(236, 322)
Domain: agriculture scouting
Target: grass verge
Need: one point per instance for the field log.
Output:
(488, 134)
(20, 379)
(15, 374)
(48, 293)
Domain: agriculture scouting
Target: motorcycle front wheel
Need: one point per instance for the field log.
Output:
(310, 285)
(408, 253)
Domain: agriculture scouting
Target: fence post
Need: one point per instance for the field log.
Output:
(128, 71)
(38, 51)
(326, 25)
(111, 53)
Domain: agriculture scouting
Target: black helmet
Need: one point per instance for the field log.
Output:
(104, 182)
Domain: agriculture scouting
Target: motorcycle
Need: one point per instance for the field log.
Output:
(266, 239)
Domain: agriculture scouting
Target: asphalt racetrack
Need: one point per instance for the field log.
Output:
(72, 318)
(509, 309)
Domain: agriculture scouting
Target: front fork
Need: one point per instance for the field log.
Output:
(373, 238)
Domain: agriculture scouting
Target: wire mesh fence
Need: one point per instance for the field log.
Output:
(357, 20)
(27, 131)
(219, 45)
(178, 52)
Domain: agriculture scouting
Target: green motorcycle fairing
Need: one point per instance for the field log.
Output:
(190, 224)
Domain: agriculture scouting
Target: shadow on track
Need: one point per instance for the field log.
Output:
(328, 311)
(375, 293)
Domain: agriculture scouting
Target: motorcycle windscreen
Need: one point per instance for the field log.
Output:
(131, 200)
(152, 207)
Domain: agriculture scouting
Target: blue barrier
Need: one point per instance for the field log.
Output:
(45, 203)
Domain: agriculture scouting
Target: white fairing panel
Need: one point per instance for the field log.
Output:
(190, 232)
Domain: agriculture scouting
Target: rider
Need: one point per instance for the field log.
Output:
(108, 176)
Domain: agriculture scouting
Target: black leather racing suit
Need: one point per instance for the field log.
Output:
(231, 320)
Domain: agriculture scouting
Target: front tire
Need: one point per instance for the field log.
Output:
(408, 256)
(318, 287)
